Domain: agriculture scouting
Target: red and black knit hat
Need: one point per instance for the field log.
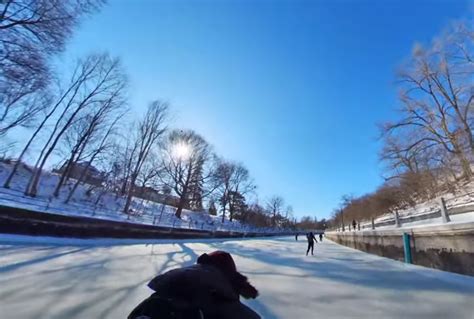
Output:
(225, 263)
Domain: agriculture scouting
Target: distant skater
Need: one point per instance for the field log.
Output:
(311, 241)
(296, 236)
(320, 237)
(354, 224)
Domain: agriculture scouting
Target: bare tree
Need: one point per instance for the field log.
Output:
(401, 154)
(186, 159)
(225, 171)
(242, 185)
(432, 142)
(88, 130)
(275, 206)
(125, 157)
(234, 181)
(102, 147)
(151, 171)
(437, 98)
(21, 108)
(289, 212)
(258, 216)
(30, 141)
(149, 132)
(31, 31)
(71, 89)
(110, 168)
(96, 79)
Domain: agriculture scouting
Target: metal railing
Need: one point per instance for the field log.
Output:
(441, 207)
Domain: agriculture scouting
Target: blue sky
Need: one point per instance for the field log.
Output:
(293, 89)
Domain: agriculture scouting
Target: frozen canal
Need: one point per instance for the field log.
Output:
(51, 279)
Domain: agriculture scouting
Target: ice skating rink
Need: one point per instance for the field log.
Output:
(48, 278)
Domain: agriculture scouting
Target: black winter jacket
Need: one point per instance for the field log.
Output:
(199, 289)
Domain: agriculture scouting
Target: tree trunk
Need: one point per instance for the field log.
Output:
(179, 209)
(13, 172)
(184, 193)
(231, 210)
(466, 168)
(80, 179)
(123, 189)
(76, 154)
(34, 184)
(223, 214)
(35, 169)
(66, 172)
(130, 194)
(89, 164)
(465, 164)
(33, 189)
(37, 172)
(35, 133)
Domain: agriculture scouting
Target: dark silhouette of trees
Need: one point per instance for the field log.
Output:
(31, 32)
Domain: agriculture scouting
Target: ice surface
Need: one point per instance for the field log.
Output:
(52, 278)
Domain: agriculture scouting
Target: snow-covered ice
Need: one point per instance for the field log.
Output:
(60, 278)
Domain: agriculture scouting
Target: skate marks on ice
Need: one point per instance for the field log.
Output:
(102, 280)
(340, 282)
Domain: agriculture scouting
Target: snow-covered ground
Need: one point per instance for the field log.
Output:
(463, 200)
(51, 278)
(109, 207)
(438, 221)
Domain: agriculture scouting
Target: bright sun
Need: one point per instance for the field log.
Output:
(181, 151)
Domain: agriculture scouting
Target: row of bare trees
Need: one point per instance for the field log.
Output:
(31, 32)
(311, 223)
(273, 213)
(81, 119)
(435, 128)
(429, 149)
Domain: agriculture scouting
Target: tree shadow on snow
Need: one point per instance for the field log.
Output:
(374, 272)
(58, 285)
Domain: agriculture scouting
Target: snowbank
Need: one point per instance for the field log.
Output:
(109, 207)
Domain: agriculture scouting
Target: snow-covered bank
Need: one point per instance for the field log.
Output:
(438, 221)
(49, 281)
(94, 203)
(459, 206)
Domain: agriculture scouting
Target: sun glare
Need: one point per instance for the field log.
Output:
(181, 151)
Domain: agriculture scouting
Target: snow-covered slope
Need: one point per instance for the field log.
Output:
(109, 207)
(460, 208)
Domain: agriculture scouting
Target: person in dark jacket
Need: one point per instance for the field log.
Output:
(210, 289)
(311, 241)
(320, 237)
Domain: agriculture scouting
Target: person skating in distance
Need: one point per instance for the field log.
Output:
(311, 241)
(210, 289)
